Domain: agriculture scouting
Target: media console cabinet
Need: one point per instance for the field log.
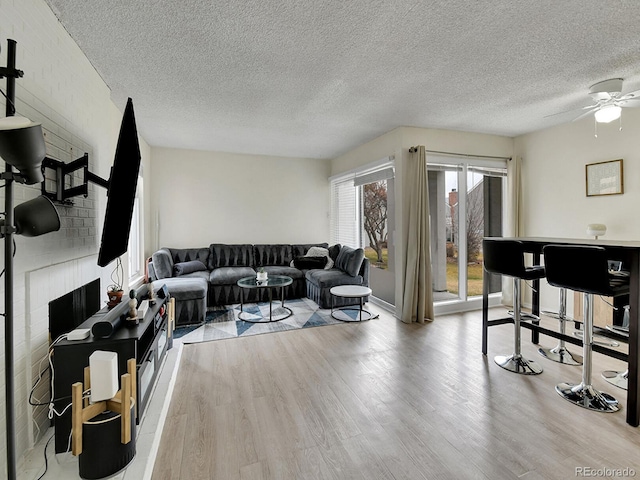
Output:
(147, 342)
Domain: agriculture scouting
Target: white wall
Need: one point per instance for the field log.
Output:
(199, 198)
(553, 179)
(61, 89)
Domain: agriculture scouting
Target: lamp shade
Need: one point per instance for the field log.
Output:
(608, 114)
(596, 229)
(36, 217)
(22, 146)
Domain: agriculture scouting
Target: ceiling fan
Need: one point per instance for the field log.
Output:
(608, 101)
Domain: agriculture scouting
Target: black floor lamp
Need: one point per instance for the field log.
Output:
(21, 147)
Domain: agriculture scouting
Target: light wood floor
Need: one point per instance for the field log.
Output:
(384, 400)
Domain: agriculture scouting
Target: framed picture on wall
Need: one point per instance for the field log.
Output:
(604, 178)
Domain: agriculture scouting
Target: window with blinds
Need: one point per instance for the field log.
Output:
(345, 208)
(347, 203)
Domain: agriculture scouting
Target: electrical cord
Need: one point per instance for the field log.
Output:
(42, 371)
(46, 461)
(13, 255)
(118, 272)
(608, 303)
(13, 107)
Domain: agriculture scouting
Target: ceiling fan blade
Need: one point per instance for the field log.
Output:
(572, 110)
(585, 114)
(629, 96)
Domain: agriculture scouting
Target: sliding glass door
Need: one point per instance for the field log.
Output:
(466, 204)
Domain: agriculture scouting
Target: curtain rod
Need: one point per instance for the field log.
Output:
(454, 154)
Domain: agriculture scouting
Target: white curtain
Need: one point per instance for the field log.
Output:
(512, 224)
(417, 305)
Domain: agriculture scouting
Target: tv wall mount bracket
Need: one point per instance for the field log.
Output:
(62, 194)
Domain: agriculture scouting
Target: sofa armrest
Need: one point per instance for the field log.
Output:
(364, 271)
(151, 271)
(162, 263)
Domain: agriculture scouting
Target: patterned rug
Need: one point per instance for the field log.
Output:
(223, 322)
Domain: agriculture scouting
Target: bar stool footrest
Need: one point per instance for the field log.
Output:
(524, 316)
(556, 315)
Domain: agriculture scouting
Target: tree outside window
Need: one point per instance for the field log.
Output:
(375, 222)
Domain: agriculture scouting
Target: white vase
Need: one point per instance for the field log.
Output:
(261, 276)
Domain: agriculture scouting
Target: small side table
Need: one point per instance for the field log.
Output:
(350, 291)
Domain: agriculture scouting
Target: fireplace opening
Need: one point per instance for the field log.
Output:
(70, 310)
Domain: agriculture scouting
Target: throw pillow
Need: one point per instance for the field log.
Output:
(350, 260)
(183, 268)
(320, 252)
(309, 263)
(334, 251)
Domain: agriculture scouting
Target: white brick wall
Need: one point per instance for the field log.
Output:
(61, 89)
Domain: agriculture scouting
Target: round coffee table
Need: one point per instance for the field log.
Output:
(271, 283)
(350, 291)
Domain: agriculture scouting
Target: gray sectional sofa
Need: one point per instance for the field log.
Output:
(204, 277)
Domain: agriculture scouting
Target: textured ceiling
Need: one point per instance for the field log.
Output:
(317, 78)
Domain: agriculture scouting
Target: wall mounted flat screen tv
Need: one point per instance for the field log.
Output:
(122, 191)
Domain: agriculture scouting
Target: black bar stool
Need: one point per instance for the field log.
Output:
(584, 269)
(559, 353)
(506, 257)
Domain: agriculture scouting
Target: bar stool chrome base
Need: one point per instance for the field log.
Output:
(586, 396)
(561, 355)
(517, 364)
(619, 379)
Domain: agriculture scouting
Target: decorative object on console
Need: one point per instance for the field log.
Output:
(132, 316)
(115, 291)
(21, 147)
(151, 294)
(596, 230)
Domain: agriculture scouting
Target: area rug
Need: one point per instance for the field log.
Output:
(223, 322)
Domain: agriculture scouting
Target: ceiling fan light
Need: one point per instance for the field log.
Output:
(608, 114)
